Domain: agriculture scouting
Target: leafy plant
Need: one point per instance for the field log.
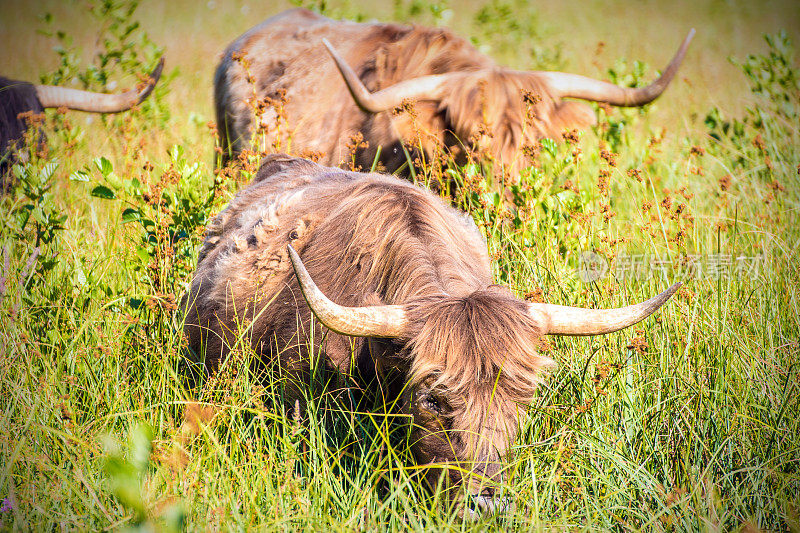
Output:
(502, 27)
(170, 212)
(37, 215)
(35, 219)
(765, 136)
(615, 123)
(127, 472)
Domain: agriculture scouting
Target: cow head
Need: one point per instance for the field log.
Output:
(471, 368)
(498, 109)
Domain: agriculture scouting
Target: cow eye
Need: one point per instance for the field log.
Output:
(432, 403)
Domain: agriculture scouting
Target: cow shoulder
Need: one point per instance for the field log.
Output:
(245, 247)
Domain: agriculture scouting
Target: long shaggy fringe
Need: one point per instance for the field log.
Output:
(486, 96)
(483, 350)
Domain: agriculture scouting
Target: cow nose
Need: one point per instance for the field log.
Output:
(486, 492)
(488, 501)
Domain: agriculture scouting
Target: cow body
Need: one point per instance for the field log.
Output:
(366, 240)
(411, 282)
(16, 99)
(479, 104)
(396, 251)
(286, 53)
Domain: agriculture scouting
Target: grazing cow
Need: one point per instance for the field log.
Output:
(462, 98)
(414, 298)
(19, 97)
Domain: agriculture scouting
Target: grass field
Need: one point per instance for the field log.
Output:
(688, 421)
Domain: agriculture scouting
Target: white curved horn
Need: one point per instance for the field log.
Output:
(53, 96)
(387, 321)
(422, 88)
(564, 320)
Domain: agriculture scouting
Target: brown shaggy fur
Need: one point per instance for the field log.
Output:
(371, 239)
(286, 53)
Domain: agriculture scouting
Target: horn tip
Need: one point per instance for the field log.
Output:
(303, 277)
(667, 294)
(333, 53)
(297, 263)
(153, 78)
(155, 75)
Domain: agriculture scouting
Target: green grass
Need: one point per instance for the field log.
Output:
(688, 421)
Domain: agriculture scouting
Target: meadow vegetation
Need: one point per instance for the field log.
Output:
(688, 421)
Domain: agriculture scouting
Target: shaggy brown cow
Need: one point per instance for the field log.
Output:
(20, 97)
(414, 293)
(456, 88)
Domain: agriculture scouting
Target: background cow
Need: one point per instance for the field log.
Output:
(20, 97)
(461, 95)
(411, 280)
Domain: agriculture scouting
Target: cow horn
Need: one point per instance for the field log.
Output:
(562, 320)
(52, 96)
(422, 88)
(387, 321)
(576, 86)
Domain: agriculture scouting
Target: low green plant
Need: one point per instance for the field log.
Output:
(127, 472)
(169, 208)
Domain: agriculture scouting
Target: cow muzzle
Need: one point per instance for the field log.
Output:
(482, 492)
(487, 502)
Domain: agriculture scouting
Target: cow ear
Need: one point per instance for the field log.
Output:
(385, 352)
(276, 163)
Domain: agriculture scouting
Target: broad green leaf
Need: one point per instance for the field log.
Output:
(79, 175)
(130, 215)
(101, 191)
(143, 254)
(104, 166)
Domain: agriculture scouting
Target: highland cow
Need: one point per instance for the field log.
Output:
(462, 100)
(20, 98)
(399, 283)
